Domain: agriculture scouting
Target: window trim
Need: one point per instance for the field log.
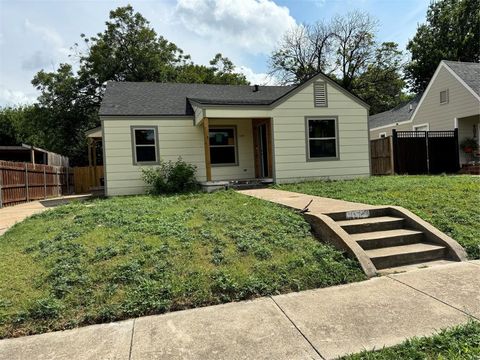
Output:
(134, 145)
(414, 127)
(326, 94)
(235, 146)
(448, 96)
(382, 133)
(307, 139)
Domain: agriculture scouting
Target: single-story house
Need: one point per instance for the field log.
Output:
(450, 101)
(233, 132)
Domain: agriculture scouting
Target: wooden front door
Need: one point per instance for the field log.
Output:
(262, 142)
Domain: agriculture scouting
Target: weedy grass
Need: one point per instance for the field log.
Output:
(450, 203)
(117, 258)
(457, 343)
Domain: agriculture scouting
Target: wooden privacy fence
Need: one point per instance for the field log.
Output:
(381, 153)
(23, 182)
(87, 177)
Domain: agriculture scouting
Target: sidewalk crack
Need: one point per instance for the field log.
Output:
(435, 298)
(298, 329)
(131, 340)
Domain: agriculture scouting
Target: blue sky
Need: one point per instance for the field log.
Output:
(38, 34)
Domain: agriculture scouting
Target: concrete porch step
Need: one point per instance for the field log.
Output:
(371, 224)
(387, 238)
(394, 256)
(420, 265)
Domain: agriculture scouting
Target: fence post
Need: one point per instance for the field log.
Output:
(67, 174)
(394, 152)
(45, 181)
(457, 148)
(58, 182)
(1, 182)
(26, 181)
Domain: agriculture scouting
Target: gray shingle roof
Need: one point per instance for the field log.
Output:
(468, 72)
(400, 113)
(148, 98)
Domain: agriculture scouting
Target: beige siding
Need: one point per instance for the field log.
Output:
(176, 137)
(461, 104)
(289, 134)
(245, 168)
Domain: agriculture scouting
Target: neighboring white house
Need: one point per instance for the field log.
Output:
(451, 100)
(286, 133)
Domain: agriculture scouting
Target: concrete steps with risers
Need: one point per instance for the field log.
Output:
(391, 242)
(393, 256)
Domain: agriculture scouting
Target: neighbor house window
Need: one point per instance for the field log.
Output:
(421, 127)
(223, 145)
(320, 94)
(444, 96)
(144, 143)
(322, 142)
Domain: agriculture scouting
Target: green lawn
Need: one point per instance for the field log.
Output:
(450, 203)
(118, 258)
(458, 343)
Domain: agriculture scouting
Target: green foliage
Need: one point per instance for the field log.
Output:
(18, 125)
(128, 49)
(171, 177)
(449, 203)
(381, 84)
(124, 257)
(345, 49)
(451, 32)
(458, 343)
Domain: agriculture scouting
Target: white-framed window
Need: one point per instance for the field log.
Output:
(145, 145)
(322, 138)
(382, 135)
(444, 96)
(320, 94)
(421, 127)
(223, 145)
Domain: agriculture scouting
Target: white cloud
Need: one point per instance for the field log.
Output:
(15, 97)
(48, 39)
(253, 25)
(256, 78)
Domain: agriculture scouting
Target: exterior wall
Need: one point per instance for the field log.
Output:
(246, 164)
(439, 116)
(176, 137)
(289, 137)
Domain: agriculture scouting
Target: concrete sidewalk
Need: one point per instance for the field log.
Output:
(316, 324)
(10, 215)
(298, 201)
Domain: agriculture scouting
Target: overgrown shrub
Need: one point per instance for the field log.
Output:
(171, 177)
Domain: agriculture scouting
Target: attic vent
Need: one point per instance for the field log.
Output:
(320, 94)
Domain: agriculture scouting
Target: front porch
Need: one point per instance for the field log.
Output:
(469, 129)
(238, 151)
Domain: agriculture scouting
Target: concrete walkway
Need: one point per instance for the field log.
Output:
(317, 324)
(299, 201)
(10, 215)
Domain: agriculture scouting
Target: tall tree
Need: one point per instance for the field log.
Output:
(128, 49)
(451, 32)
(346, 50)
(381, 84)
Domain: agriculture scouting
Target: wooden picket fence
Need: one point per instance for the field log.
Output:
(87, 178)
(23, 182)
(381, 154)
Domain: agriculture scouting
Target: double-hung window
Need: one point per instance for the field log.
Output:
(322, 139)
(223, 145)
(145, 146)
